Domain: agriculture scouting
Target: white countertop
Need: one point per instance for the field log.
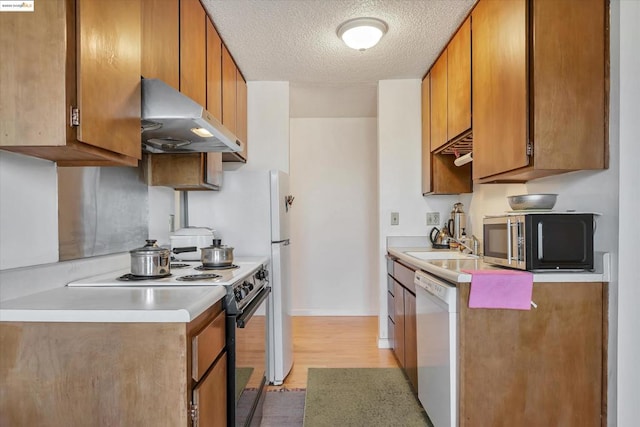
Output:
(451, 269)
(143, 303)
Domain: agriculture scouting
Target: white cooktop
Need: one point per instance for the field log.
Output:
(103, 299)
(246, 266)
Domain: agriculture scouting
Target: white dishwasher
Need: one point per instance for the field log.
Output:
(436, 311)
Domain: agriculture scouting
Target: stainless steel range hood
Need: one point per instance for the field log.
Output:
(175, 123)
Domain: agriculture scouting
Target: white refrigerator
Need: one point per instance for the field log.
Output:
(251, 213)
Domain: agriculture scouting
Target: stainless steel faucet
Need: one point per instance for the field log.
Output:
(470, 250)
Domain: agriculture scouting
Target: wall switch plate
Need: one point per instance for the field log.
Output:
(433, 218)
(395, 218)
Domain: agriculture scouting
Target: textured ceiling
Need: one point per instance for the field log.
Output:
(296, 41)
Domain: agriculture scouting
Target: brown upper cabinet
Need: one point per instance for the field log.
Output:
(439, 102)
(214, 71)
(459, 82)
(439, 174)
(198, 64)
(540, 72)
(451, 90)
(234, 105)
(161, 41)
(446, 117)
(229, 93)
(241, 112)
(193, 51)
(63, 99)
(427, 183)
(199, 67)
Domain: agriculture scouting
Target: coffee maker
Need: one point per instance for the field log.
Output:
(457, 222)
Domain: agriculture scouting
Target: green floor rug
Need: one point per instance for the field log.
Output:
(361, 397)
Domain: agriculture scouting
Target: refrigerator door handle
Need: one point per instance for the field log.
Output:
(288, 202)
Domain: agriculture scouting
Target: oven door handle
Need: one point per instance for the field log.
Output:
(250, 309)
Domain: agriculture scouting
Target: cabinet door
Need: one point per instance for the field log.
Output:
(108, 66)
(459, 82)
(214, 71)
(499, 85)
(228, 91)
(398, 341)
(210, 396)
(48, 29)
(569, 83)
(529, 359)
(410, 339)
(193, 51)
(161, 41)
(241, 112)
(439, 102)
(426, 135)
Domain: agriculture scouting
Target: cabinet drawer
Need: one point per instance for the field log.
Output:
(206, 346)
(390, 262)
(404, 275)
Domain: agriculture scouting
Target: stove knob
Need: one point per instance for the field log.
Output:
(238, 294)
(243, 292)
(250, 286)
(262, 274)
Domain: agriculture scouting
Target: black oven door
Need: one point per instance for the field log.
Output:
(247, 336)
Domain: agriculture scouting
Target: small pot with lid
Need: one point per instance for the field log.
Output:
(150, 260)
(216, 255)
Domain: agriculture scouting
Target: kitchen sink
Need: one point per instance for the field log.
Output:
(434, 255)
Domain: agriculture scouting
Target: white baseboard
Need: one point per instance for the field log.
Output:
(384, 343)
(334, 313)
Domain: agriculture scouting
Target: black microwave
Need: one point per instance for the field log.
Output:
(540, 241)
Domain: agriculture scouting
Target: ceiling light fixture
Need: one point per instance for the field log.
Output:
(362, 33)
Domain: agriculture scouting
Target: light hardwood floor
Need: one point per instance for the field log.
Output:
(335, 342)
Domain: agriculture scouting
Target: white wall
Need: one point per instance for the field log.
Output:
(628, 371)
(334, 220)
(400, 176)
(29, 231)
(28, 211)
(162, 213)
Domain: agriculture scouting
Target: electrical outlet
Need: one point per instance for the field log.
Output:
(433, 218)
(395, 218)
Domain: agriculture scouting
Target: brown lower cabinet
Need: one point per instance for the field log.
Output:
(543, 367)
(402, 319)
(114, 374)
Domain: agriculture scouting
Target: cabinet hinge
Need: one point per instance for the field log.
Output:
(193, 413)
(75, 116)
(529, 149)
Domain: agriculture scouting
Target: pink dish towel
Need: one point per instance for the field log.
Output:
(500, 289)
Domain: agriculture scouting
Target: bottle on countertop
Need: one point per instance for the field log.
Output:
(464, 239)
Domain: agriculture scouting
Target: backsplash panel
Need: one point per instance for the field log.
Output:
(101, 210)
